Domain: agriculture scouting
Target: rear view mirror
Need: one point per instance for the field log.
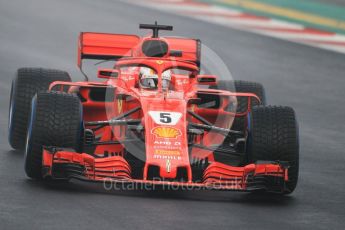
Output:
(108, 73)
(207, 79)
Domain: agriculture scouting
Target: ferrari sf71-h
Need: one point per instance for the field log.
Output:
(153, 120)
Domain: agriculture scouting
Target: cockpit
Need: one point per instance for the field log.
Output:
(147, 78)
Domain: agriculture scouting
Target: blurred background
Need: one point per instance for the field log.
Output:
(295, 48)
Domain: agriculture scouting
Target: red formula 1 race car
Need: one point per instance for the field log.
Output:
(154, 120)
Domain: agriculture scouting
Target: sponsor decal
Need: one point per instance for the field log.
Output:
(128, 78)
(167, 147)
(182, 81)
(167, 152)
(159, 62)
(166, 132)
(166, 157)
(169, 143)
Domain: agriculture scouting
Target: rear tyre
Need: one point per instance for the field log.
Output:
(273, 136)
(55, 120)
(242, 102)
(239, 123)
(25, 85)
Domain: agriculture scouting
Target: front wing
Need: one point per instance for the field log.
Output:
(67, 164)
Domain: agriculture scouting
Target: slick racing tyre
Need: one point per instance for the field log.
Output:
(273, 136)
(25, 85)
(239, 122)
(55, 120)
(242, 102)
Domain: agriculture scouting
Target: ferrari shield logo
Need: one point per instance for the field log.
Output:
(168, 166)
(119, 105)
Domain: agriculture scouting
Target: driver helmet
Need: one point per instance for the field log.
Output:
(166, 79)
(148, 79)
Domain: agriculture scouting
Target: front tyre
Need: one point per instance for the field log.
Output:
(273, 136)
(55, 120)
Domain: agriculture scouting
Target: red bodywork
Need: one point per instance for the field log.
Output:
(167, 147)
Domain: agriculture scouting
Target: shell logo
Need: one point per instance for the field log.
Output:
(166, 132)
(159, 62)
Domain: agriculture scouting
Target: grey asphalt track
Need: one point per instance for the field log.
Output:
(44, 33)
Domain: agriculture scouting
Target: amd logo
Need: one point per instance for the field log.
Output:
(175, 143)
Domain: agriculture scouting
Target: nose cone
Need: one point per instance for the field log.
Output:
(165, 138)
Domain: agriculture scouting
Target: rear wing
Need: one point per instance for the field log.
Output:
(102, 46)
